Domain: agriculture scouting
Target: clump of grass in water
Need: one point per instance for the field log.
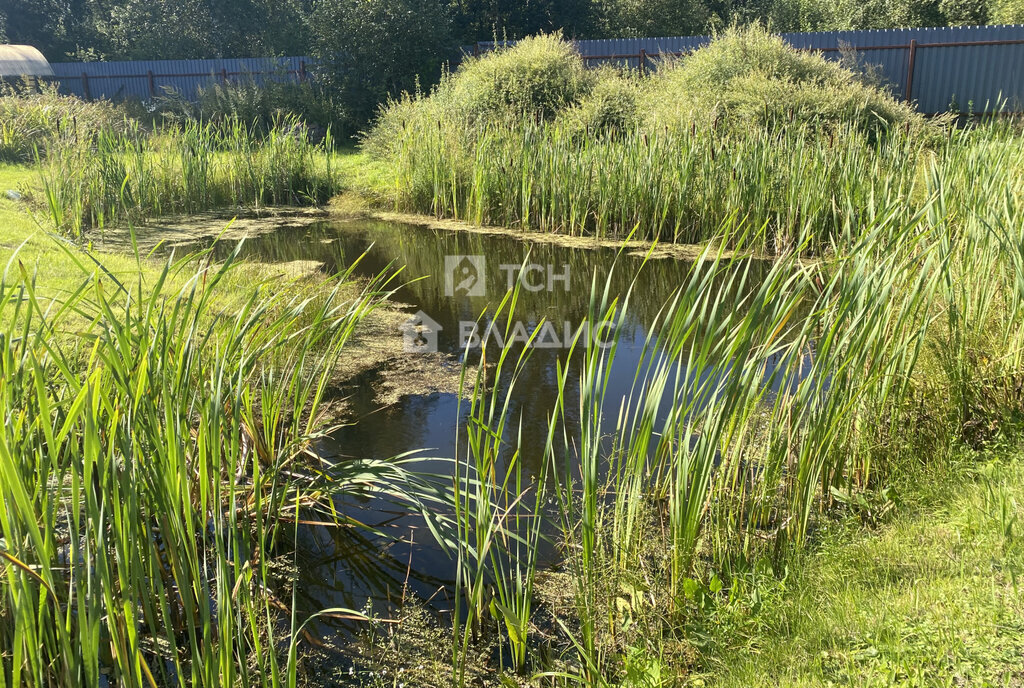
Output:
(157, 450)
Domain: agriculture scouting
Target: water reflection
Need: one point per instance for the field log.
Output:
(344, 568)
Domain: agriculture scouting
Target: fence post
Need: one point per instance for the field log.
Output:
(224, 75)
(302, 71)
(910, 69)
(85, 86)
(643, 60)
(152, 83)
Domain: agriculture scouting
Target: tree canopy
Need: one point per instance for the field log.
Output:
(368, 50)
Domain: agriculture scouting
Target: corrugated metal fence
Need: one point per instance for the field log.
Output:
(960, 68)
(147, 79)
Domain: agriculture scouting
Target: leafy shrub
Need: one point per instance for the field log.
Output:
(1008, 12)
(44, 119)
(537, 77)
(609, 108)
(414, 112)
(750, 77)
(260, 105)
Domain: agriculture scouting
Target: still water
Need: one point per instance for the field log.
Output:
(451, 278)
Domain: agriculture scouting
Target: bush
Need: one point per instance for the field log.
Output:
(750, 77)
(41, 120)
(266, 104)
(261, 106)
(609, 108)
(413, 112)
(537, 77)
(1008, 12)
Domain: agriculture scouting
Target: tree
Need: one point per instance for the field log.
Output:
(483, 20)
(368, 50)
(167, 30)
(960, 12)
(656, 18)
(1008, 12)
(56, 27)
(255, 28)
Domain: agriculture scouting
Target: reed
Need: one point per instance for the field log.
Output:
(157, 451)
(680, 186)
(746, 126)
(762, 405)
(135, 174)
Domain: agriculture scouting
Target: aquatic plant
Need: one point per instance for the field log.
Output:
(157, 457)
(786, 140)
(761, 405)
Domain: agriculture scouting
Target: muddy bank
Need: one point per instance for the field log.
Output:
(376, 356)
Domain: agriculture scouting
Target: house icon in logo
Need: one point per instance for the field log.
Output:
(419, 334)
(464, 275)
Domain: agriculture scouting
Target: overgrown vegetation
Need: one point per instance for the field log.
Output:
(262, 105)
(750, 78)
(745, 127)
(134, 174)
(160, 447)
(99, 165)
(760, 408)
(368, 51)
(30, 121)
(155, 452)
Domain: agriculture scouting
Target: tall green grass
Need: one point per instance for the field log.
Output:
(134, 174)
(762, 405)
(31, 120)
(673, 186)
(156, 456)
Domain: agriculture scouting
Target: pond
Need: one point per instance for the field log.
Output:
(448, 279)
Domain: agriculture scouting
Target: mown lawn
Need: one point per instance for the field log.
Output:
(32, 237)
(933, 598)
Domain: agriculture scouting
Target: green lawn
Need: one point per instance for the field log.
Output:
(933, 598)
(37, 248)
